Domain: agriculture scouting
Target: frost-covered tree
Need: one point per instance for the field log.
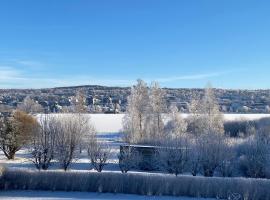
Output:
(227, 165)
(211, 149)
(176, 126)
(137, 108)
(173, 155)
(194, 155)
(210, 108)
(128, 158)
(30, 106)
(44, 141)
(99, 154)
(73, 128)
(205, 115)
(16, 131)
(157, 107)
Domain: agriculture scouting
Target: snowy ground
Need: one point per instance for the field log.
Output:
(42, 195)
(113, 140)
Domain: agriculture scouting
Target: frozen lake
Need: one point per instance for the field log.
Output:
(112, 123)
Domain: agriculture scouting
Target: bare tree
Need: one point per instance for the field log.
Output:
(73, 127)
(43, 147)
(16, 131)
(174, 155)
(128, 158)
(30, 106)
(99, 154)
(211, 148)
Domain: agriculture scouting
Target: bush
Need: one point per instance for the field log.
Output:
(129, 158)
(136, 183)
(99, 155)
(254, 157)
(242, 127)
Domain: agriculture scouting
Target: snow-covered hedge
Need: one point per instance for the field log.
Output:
(135, 183)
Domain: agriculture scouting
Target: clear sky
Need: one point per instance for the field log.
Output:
(180, 43)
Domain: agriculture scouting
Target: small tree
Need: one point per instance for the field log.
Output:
(99, 155)
(16, 131)
(43, 146)
(174, 156)
(211, 148)
(30, 106)
(69, 136)
(128, 159)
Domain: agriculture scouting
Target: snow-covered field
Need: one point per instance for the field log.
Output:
(45, 195)
(112, 123)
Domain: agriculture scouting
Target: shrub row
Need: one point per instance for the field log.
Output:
(135, 183)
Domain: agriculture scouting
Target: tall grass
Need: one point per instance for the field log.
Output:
(135, 183)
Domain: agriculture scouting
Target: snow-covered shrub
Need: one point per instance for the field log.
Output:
(174, 156)
(194, 158)
(99, 154)
(236, 128)
(128, 158)
(211, 148)
(176, 126)
(43, 145)
(138, 183)
(228, 163)
(254, 158)
(72, 129)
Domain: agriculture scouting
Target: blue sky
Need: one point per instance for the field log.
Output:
(113, 42)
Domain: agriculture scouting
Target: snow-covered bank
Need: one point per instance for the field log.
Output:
(46, 195)
(112, 123)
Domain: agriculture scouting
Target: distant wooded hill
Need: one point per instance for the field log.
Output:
(102, 99)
